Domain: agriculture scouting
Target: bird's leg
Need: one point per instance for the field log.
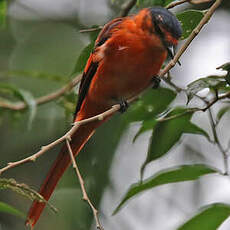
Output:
(155, 82)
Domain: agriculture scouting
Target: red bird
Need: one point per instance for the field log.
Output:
(128, 52)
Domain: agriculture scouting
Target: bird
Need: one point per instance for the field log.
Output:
(129, 51)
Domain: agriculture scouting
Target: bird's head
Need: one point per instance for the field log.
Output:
(166, 26)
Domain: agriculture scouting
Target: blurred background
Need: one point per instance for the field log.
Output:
(39, 48)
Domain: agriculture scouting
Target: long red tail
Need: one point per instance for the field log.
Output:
(79, 138)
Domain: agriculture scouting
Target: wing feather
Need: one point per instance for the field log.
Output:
(91, 67)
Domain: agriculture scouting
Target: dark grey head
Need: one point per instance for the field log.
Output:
(167, 27)
(164, 18)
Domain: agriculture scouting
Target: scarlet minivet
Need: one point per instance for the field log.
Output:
(128, 52)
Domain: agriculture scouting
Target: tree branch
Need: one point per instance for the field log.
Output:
(91, 29)
(82, 184)
(179, 2)
(44, 99)
(173, 4)
(127, 8)
(45, 148)
(217, 142)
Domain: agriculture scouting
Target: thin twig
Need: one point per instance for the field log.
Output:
(226, 95)
(179, 2)
(217, 142)
(173, 4)
(44, 99)
(195, 109)
(115, 108)
(196, 2)
(128, 7)
(82, 184)
(91, 29)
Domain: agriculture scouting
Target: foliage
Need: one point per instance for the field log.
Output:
(11, 210)
(167, 176)
(156, 111)
(209, 218)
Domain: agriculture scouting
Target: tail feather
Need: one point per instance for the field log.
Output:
(63, 160)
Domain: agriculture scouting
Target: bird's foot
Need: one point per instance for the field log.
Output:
(123, 106)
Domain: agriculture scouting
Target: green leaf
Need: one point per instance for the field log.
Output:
(171, 175)
(190, 128)
(3, 11)
(168, 132)
(214, 83)
(150, 104)
(146, 126)
(24, 95)
(23, 190)
(189, 20)
(222, 111)
(210, 218)
(32, 105)
(194, 129)
(6, 208)
(83, 57)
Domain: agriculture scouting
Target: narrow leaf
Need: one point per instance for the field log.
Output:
(194, 129)
(222, 112)
(146, 126)
(167, 176)
(83, 57)
(210, 218)
(166, 134)
(85, 53)
(24, 95)
(32, 105)
(6, 208)
(152, 103)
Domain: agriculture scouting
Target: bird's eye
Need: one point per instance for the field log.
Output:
(159, 18)
(158, 29)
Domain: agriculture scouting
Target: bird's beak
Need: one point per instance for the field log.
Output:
(171, 53)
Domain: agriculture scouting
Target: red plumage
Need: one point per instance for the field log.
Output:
(127, 53)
